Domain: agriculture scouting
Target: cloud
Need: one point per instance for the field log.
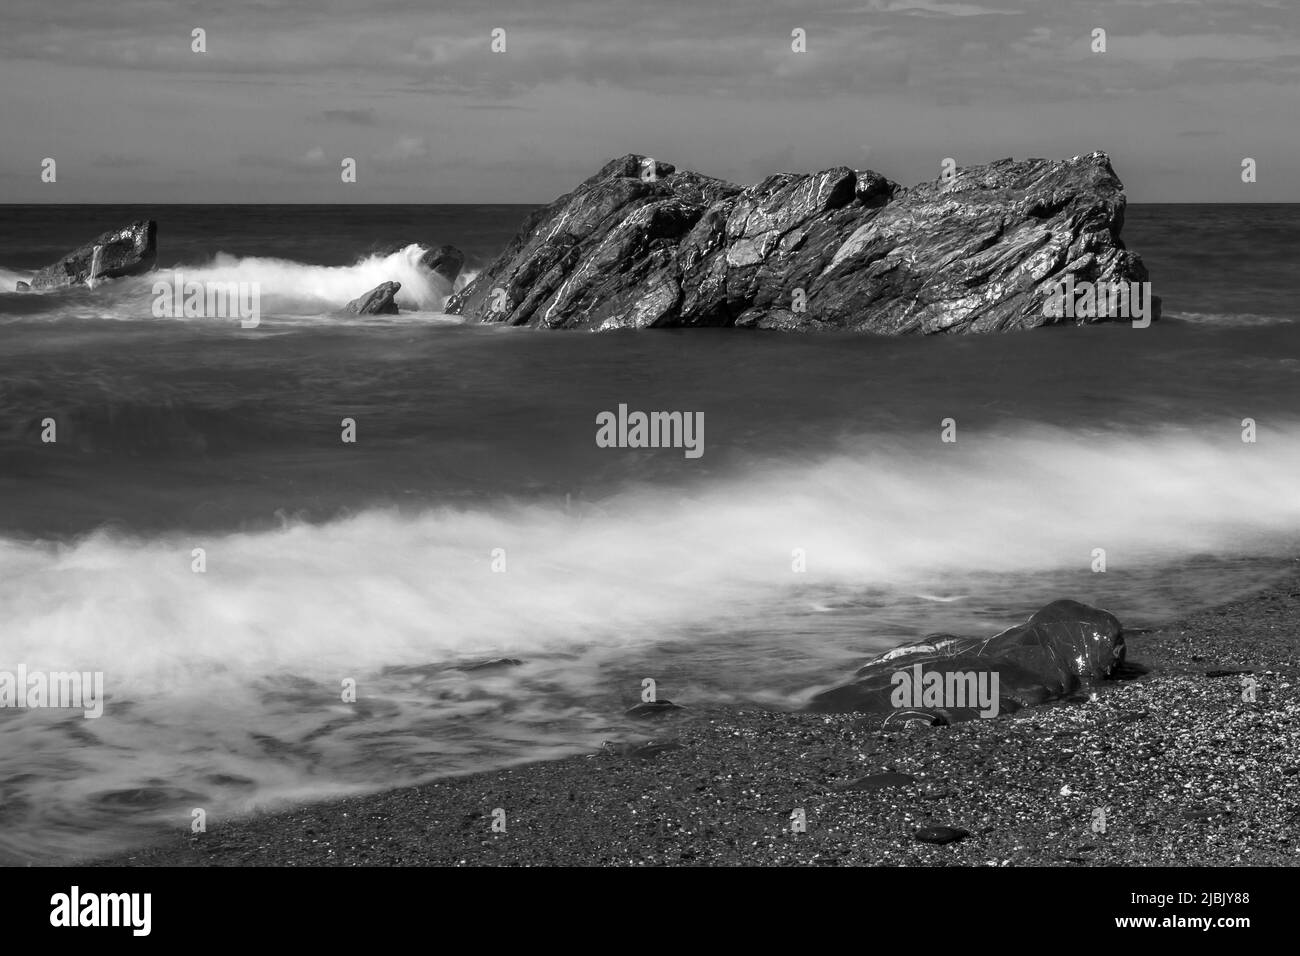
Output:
(119, 161)
(674, 45)
(583, 80)
(405, 151)
(365, 117)
(313, 158)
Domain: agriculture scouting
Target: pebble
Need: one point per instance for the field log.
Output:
(941, 835)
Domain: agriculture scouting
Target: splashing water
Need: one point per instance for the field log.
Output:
(94, 266)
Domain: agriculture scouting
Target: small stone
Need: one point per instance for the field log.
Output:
(880, 781)
(651, 709)
(913, 719)
(653, 748)
(941, 835)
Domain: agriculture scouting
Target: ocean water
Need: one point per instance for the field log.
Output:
(475, 516)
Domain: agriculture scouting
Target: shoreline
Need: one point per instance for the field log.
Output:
(1185, 772)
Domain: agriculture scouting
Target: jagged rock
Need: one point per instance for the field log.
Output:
(128, 251)
(378, 301)
(1061, 648)
(838, 249)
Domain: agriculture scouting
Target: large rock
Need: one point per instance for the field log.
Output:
(446, 261)
(1060, 650)
(378, 301)
(838, 249)
(128, 251)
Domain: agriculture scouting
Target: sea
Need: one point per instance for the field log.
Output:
(282, 605)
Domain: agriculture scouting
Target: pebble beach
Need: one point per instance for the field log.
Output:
(1172, 764)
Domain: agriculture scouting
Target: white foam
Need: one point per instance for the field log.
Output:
(9, 279)
(296, 287)
(236, 672)
(384, 588)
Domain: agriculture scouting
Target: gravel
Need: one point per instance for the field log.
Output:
(1168, 766)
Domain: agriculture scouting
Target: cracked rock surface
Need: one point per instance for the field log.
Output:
(641, 244)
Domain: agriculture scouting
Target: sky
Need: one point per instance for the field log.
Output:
(412, 91)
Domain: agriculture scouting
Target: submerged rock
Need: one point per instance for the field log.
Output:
(128, 251)
(495, 664)
(837, 249)
(1061, 648)
(378, 301)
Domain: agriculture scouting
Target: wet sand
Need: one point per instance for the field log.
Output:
(1185, 771)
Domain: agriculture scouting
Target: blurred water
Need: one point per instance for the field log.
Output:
(374, 561)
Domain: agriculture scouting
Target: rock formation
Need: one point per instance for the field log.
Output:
(446, 261)
(128, 251)
(378, 301)
(1063, 648)
(640, 244)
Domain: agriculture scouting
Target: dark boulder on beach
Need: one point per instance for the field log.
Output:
(1065, 647)
(642, 244)
(22, 287)
(128, 251)
(378, 301)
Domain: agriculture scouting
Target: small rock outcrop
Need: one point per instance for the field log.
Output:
(446, 261)
(378, 301)
(1065, 647)
(128, 251)
(641, 244)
